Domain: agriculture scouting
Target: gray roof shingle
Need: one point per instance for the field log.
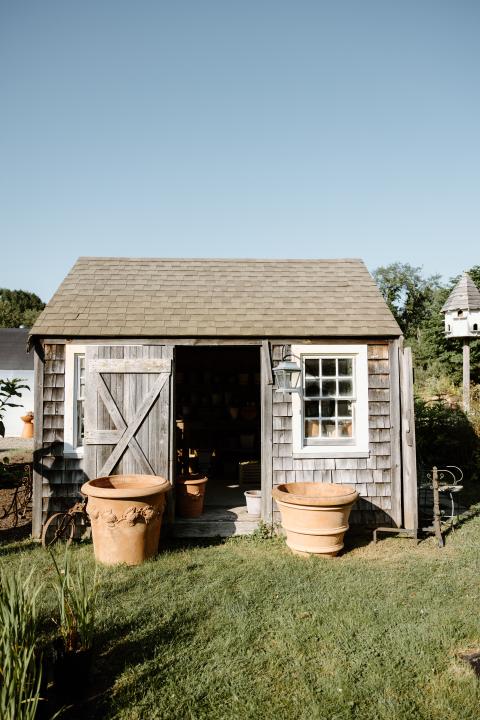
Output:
(13, 349)
(150, 297)
(464, 296)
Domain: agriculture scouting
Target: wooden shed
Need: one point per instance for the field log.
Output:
(164, 366)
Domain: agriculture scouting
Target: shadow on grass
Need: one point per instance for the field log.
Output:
(13, 544)
(172, 545)
(132, 648)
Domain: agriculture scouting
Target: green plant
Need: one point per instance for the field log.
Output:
(445, 436)
(263, 531)
(76, 604)
(20, 665)
(9, 389)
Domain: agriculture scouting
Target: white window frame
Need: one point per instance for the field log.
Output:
(70, 447)
(358, 446)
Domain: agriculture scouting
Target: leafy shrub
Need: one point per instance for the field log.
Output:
(9, 389)
(445, 436)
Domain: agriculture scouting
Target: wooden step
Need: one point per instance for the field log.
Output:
(216, 522)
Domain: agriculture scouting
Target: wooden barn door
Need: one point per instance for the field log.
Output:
(128, 393)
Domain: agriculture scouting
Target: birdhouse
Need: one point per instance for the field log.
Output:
(462, 309)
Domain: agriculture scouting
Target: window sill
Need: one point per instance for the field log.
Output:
(73, 454)
(329, 453)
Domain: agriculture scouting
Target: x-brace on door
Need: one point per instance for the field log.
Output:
(128, 393)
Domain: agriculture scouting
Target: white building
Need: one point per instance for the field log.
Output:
(15, 362)
(462, 309)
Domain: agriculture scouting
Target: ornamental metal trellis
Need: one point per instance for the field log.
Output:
(441, 481)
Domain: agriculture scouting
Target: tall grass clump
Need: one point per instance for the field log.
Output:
(76, 604)
(20, 665)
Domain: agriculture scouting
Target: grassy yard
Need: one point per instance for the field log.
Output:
(245, 630)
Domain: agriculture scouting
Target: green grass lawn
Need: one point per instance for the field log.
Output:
(244, 629)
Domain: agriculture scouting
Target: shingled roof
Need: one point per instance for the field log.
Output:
(13, 349)
(464, 296)
(139, 297)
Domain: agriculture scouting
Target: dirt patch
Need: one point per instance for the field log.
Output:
(15, 479)
(17, 450)
(473, 659)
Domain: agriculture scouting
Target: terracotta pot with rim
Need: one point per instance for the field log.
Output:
(191, 494)
(126, 515)
(315, 516)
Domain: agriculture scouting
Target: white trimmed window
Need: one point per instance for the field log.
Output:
(330, 415)
(74, 400)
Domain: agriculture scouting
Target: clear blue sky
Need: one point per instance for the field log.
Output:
(252, 128)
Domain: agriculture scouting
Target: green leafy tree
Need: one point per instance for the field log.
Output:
(19, 307)
(416, 302)
(436, 354)
(407, 293)
(8, 390)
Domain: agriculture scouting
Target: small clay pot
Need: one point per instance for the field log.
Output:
(190, 495)
(248, 413)
(254, 502)
(27, 431)
(233, 412)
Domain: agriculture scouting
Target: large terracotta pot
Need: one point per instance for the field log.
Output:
(315, 516)
(126, 515)
(191, 494)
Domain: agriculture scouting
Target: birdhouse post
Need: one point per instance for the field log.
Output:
(462, 320)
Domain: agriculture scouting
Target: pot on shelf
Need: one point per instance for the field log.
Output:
(126, 515)
(315, 516)
(190, 494)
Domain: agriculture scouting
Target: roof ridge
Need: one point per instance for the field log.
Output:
(216, 259)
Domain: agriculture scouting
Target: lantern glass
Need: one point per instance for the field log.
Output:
(287, 375)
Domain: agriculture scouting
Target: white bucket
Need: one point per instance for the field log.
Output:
(254, 502)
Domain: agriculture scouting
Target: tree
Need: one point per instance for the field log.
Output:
(416, 303)
(407, 293)
(8, 390)
(19, 307)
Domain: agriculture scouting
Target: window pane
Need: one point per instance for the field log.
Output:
(344, 408)
(80, 410)
(329, 388)
(329, 367)
(312, 388)
(311, 428)
(345, 387)
(311, 408)
(311, 368)
(345, 366)
(328, 428)
(345, 428)
(328, 408)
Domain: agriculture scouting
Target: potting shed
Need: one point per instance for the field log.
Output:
(162, 366)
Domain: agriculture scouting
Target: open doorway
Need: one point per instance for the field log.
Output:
(218, 423)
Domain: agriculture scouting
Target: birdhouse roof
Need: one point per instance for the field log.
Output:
(464, 296)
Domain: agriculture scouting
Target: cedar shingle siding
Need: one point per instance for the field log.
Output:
(373, 476)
